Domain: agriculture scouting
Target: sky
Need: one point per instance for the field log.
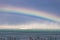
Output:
(46, 5)
(11, 20)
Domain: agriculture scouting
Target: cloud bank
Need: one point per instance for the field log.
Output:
(31, 26)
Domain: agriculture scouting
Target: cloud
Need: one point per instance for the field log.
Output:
(32, 26)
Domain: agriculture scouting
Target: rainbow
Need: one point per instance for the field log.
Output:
(29, 12)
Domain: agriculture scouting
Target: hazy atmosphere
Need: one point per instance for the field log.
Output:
(30, 14)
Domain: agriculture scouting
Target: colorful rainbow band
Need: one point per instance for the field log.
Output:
(30, 12)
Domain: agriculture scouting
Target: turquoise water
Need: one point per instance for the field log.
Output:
(29, 35)
(29, 30)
